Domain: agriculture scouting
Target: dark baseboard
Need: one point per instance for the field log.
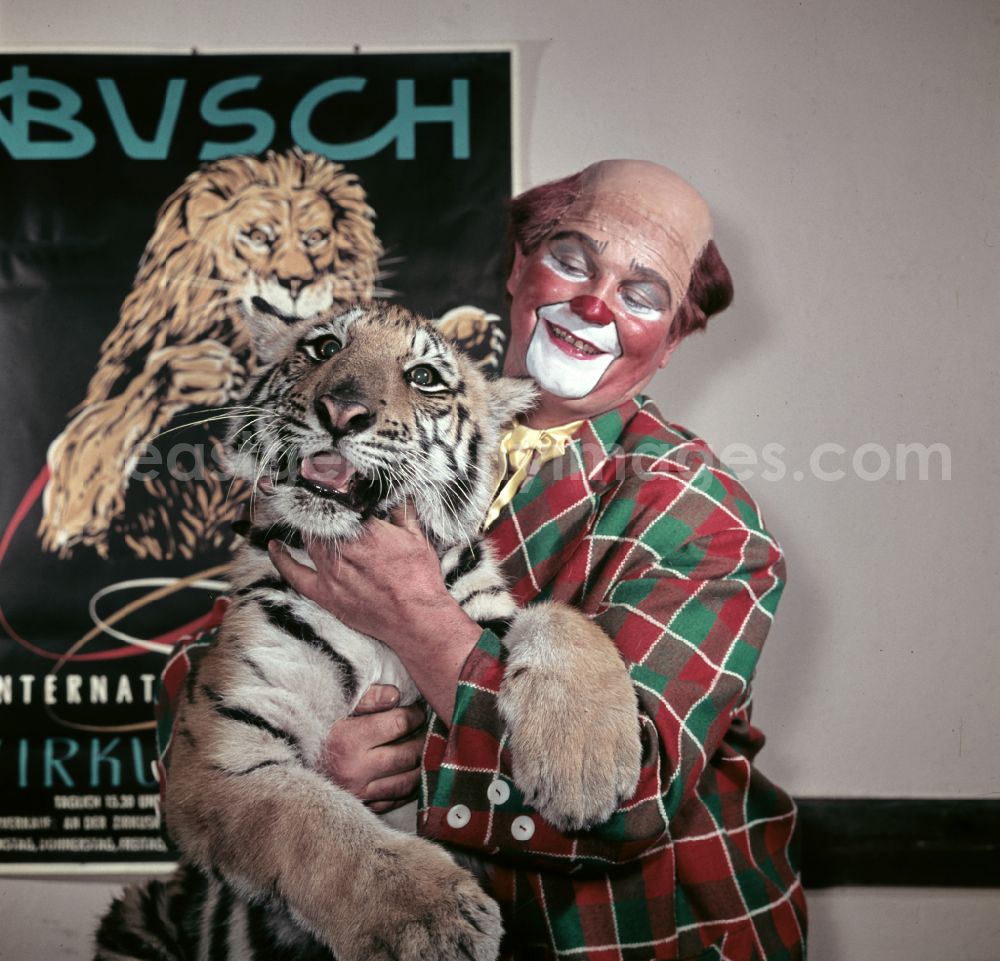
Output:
(881, 841)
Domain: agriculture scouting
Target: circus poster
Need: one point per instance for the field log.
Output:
(148, 206)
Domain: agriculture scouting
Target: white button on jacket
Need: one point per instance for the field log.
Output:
(522, 828)
(498, 792)
(458, 816)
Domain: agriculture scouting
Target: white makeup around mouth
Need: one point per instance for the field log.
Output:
(555, 360)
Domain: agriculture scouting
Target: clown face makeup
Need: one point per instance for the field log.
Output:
(588, 321)
(592, 304)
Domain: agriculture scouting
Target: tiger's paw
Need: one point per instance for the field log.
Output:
(571, 711)
(430, 909)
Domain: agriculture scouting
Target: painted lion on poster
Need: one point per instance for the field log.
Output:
(243, 241)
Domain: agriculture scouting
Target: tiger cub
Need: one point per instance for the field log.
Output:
(355, 413)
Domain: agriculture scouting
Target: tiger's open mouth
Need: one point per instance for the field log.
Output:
(332, 476)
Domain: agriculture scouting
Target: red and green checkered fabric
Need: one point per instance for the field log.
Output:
(642, 528)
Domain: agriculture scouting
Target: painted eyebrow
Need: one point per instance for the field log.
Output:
(594, 246)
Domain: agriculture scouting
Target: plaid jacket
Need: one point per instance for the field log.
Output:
(641, 527)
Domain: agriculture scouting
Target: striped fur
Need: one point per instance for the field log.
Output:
(279, 862)
(193, 915)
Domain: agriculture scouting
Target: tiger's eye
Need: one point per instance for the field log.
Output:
(423, 376)
(321, 348)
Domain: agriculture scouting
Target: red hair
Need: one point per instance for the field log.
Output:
(535, 213)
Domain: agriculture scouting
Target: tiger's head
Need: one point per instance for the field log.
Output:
(362, 410)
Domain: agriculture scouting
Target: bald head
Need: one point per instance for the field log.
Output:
(671, 209)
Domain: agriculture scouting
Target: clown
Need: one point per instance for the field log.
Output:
(635, 522)
(599, 303)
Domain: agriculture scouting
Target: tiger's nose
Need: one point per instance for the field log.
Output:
(344, 416)
(592, 309)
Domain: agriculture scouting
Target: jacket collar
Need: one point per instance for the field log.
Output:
(552, 512)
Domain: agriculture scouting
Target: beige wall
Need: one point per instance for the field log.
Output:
(851, 152)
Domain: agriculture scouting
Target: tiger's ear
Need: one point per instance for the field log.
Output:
(270, 336)
(509, 396)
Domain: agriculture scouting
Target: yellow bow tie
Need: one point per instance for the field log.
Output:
(520, 447)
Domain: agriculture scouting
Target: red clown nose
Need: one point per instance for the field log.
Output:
(592, 309)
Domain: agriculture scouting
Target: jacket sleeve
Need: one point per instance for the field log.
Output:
(687, 593)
